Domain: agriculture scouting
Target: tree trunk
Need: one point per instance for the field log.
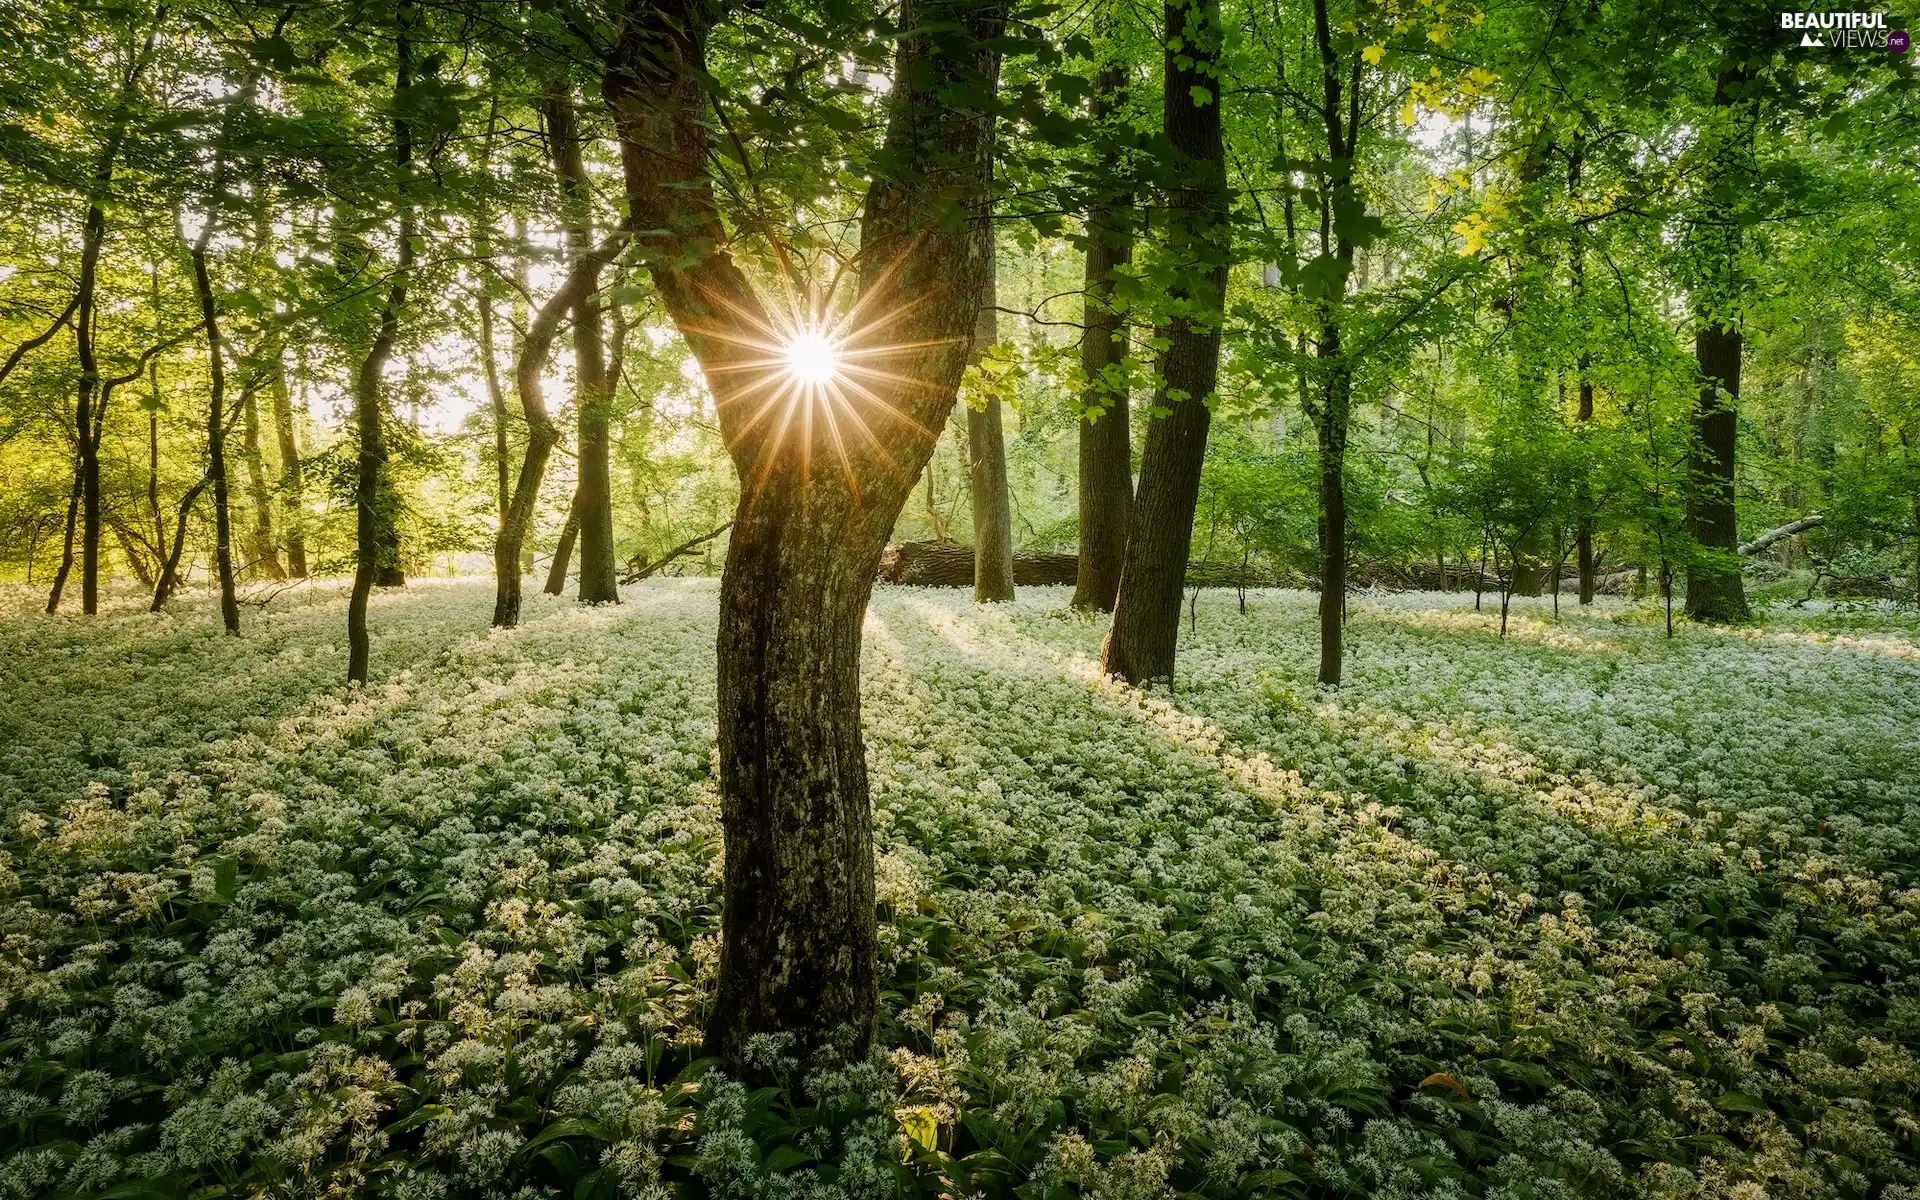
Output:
(371, 526)
(1106, 444)
(170, 569)
(216, 432)
(265, 553)
(583, 278)
(987, 465)
(293, 476)
(66, 552)
(1332, 406)
(563, 550)
(1715, 591)
(1146, 612)
(593, 496)
(798, 935)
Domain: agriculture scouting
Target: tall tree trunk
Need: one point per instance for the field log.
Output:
(1715, 591)
(170, 568)
(987, 463)
(1331, 401)
(1146, 612)
(1106, 444)
(371, 461)
(798, 935)
(483, 303)
(216, 432)
(593, 498)
(93, 237)
(293, 475)
(265, 552)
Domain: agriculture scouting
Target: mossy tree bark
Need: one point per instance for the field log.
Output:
(987, 463)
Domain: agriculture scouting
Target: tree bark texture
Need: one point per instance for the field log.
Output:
(1146, 612)
(563, 550)
(798, 933)
(1106, 445)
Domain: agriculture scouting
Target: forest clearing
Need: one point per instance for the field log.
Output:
(967, 599)
(1575, 912)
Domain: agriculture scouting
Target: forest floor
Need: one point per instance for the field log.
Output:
(1583, 911)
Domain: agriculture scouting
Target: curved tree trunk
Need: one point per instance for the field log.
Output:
(798, 934)
(593, 496)
(987, 464)
(372, 526)
(563, 550)
(1146, 612)
(1106, 444)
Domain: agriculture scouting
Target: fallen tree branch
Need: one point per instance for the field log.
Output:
(639, 569)
(1785, 531)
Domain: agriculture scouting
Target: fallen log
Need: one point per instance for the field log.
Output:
(1785, 531)
(949, 564)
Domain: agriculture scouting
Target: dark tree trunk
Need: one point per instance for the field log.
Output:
(84, 419)
(1715, 591)
(66, 551)
(216, 433)
(563, 550)
(293, 476)
(266, 553)
(1330, 407)
(489, 357)
(1146, 612)
(593, 496)
(798, 933)
(170, 569)
(1106, 444)
(372, 527)
(987, 465)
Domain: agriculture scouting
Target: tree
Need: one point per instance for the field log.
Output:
(815, 507)
(987, 460)
(1146, 612)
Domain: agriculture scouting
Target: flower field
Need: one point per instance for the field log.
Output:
(1583, 912)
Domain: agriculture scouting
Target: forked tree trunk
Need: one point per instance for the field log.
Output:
(372, 526)
(583, 278)
(293, 476)
(1106, 444)
(593, 495)
(798, 934)
(987, 465)
(1146, 612)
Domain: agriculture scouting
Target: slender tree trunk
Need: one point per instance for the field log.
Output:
(987, 464)
(1340, 112)
(798, 935)
(483, 302)
(583, 278)
(170, 569)
(66, 552)
(216, 430)
(1146, 613)
(563, 551)
(132, 552)
(1715, 591)
(265, 552)
(370, 523)
(1106, 444)
(293, 475)
(593, 499)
